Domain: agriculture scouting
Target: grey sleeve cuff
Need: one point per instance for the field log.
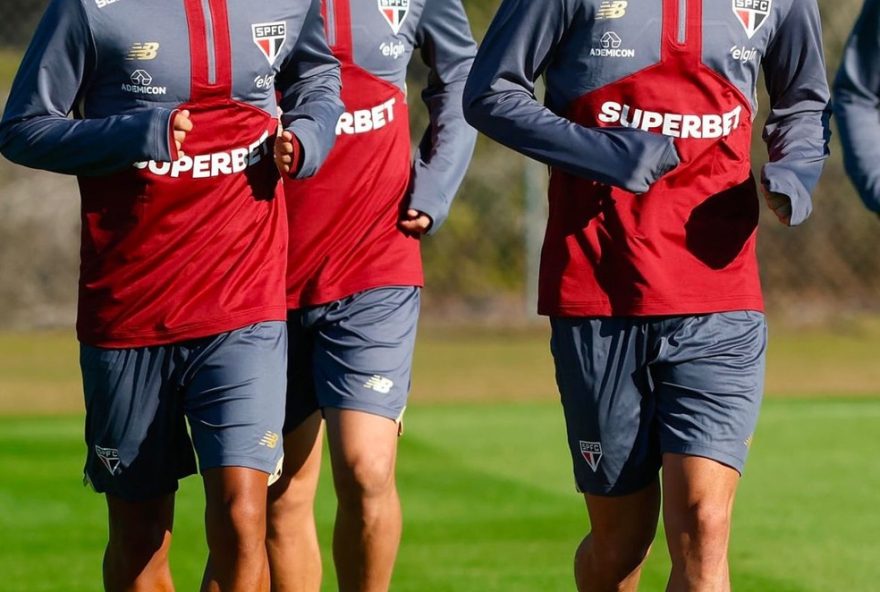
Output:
(667, 161)
(643, 158)
(88, 147)
(779, 179)
(434, 184)
(312, 156)
(161, 135)
(427, 198)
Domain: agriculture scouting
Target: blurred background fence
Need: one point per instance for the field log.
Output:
(478, 267)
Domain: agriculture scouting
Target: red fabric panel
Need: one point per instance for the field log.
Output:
(687, 246)
(171, 254)
(343, 222)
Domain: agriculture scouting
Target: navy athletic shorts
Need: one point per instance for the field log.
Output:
(635, 388)
(354, 353)
(230, 388)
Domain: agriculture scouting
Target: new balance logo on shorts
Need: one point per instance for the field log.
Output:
(110, 458)
(592, 453)
(380, 384)
(269, 440)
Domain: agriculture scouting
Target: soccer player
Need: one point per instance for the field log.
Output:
(856, 101)
(354, 281)
(181, 307)
(648, 270)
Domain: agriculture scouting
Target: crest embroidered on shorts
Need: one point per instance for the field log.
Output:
(752, 14)
(592, 453)
(269, 37)
(395, 12)
(110, 458)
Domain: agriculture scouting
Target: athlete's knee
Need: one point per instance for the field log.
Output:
(617, 547)
(136, 558)
(364, 478)
(134, 549)
(618, 557)
(139, 532)
(702, 521)
(698, 536)
(293, 491)
(246, 514)
(237, 525)
(609, 566)
(290, 508)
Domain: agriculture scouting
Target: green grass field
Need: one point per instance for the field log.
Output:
(484, 474)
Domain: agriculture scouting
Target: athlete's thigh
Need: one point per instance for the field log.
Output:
(363, 447)
(602, 378)
(302, 463)
(364, 349)
(235, 398)
(136, 437)
(709, 381)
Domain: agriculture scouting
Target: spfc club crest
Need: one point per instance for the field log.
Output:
(592, 453)
(751, 14)
(110, 458)
(269, 37)
(395, 12)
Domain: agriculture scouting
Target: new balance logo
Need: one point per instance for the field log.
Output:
(109, 457)
(592, 453)
(269, 440)
(143, 51)
(611, 9)
(380, 384)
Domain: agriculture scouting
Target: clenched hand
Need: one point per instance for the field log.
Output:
(415, 222)
(181, 126)
(287, 153)
(780, 204)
